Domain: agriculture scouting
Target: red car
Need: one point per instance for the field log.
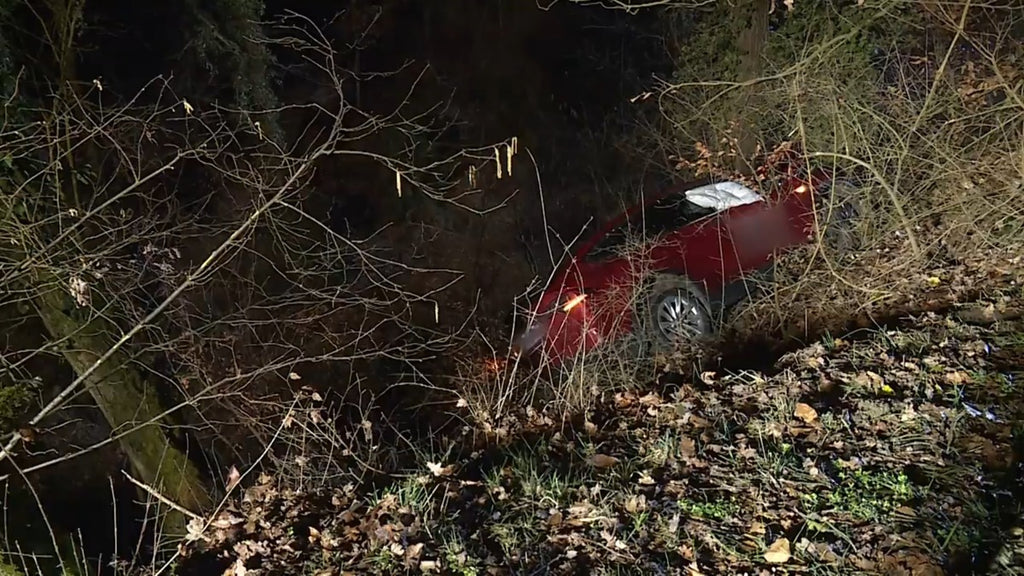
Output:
(700, 243)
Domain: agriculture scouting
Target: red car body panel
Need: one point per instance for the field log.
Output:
(714, 251)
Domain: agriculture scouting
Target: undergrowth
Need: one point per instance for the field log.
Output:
(888, 452)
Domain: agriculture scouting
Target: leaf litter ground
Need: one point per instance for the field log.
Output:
(897, 451)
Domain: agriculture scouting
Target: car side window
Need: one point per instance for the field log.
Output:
(666, 215)
(611, 243)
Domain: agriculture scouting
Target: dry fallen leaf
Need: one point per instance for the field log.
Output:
(226, 520)
(413, 552)
(438, 470)
(778, 552)
(555, 520)
(687, 447)
(194, 530)
(236, 569)
(805, 412)
(233, 477)
(864, 564)
(636, 503)
(869, 380)
(603, 461)
(697, 421)
(979, 314)
(957, 378)
(651, 399)
(815, 362)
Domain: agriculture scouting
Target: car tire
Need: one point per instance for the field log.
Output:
(839, 218)
(675, 311)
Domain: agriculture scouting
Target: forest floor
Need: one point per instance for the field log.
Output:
(894, 450)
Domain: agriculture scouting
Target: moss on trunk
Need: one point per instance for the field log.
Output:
(128, 400)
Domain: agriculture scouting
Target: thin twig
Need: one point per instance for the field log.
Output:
(156, 494)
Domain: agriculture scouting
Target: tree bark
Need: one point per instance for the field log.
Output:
(128, 400)
(751, 20)
(120, 387)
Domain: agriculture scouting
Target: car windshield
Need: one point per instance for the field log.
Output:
(666, 214)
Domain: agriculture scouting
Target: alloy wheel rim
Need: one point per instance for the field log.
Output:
(679, 317)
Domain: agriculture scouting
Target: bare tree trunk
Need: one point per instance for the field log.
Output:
(751, 19)
(128, 400)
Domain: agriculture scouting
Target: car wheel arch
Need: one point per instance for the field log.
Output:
(658, 283)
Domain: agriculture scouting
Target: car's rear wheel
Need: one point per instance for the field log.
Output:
(674, 313)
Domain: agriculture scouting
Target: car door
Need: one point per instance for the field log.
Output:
(755, 233)
(606, 273)
(691, 242)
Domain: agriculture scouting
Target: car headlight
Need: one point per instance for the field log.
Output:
(561, 302)
(536, 329)
(572, 302)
